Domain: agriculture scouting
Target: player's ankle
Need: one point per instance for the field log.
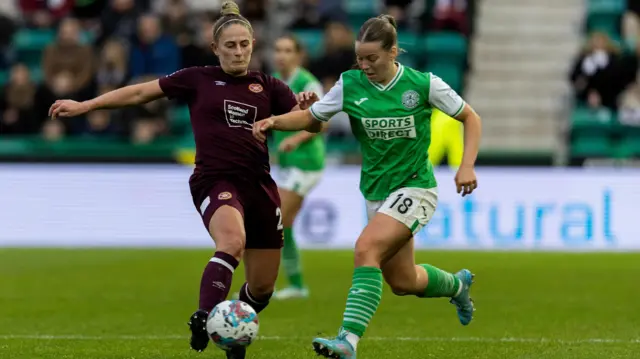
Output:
(351, 338)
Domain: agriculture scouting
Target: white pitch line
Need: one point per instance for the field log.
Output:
(282, 338)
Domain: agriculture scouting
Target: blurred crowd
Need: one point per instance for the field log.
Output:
(99, 45)
(605, 74)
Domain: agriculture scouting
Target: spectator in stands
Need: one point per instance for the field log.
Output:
(112, 66)
(119, 21)
(176, 21)
(43, 14)
(338, 56)
(317, 13)
(61, 86)
(631, 22)
(449, 15)
(17, 99)
(198, 52)
(398, 9)
(598, 76)
(69, 55)
(148, 121)
(153, 53)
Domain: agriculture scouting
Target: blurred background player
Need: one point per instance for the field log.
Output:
(301, 159)
(446, 140)
(389, 105)
(231, 186)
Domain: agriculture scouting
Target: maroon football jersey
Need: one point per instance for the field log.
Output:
(223, 109)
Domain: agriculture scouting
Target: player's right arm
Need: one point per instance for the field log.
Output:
(311, 120)
(178, 84)
(126, 96)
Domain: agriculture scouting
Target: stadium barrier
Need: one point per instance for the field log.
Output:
(150, 206)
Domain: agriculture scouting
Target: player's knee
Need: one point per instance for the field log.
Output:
(366, 253)
(230, 240)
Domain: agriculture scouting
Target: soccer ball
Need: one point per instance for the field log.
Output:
(232, 323)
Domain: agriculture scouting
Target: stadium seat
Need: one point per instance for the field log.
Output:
(605, 15)
(179, 119)
(359, 11)
(29, 45)
(591, 133)
(410, 51)
(312, 40)
(445, 47)
(451, 74)
(4, 77)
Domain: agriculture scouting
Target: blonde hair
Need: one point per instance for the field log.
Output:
(229, 14)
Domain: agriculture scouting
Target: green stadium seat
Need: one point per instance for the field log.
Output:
(36, 73)
(445, 47)
(29, 45)
(4, 77)
(584, 118)
(451, 74)
(29, 39)
(605, 16)
(359, 11)
(312, 40)
(180, 119)
(408, 59)
(592, 133)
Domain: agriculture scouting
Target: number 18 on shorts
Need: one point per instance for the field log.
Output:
(411, 206)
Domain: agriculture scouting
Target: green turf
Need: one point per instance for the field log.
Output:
(133, 304)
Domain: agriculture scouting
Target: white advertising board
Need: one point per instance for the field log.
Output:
(144, 205)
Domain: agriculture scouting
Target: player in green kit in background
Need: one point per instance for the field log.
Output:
(301, 159)
(389, 107)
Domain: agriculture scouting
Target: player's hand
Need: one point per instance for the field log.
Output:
(67, 108)
(288, 144)
(260, 129)
(466, 181)
(306, 99)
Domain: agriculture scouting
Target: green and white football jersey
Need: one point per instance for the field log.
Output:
(392, 125)
(309, 156)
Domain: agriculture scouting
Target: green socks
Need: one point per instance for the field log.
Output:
(291, 260)
(363, 300)
(441, 283)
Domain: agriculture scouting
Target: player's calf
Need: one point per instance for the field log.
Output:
(258, 297)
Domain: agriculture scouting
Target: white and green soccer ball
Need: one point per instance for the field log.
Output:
(232, 323)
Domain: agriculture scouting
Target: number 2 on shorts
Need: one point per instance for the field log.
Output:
(279, 215)
(404, 206)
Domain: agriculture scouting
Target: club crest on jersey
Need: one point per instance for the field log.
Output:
(224, 196)
(257, 88)
(410, 99)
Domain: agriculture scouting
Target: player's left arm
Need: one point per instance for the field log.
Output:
(444, 98)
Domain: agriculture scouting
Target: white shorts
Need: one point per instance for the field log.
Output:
(410, 206)
(296, 180)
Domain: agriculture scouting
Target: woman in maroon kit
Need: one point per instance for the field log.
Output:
(231, 186)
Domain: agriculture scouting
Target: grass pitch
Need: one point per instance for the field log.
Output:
(134, 304)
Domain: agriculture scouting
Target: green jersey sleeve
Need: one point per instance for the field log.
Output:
(330, 104)
(443, 97)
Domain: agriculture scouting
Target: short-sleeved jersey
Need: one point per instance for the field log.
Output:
(309, 156)
(223, 109)
(392, 125)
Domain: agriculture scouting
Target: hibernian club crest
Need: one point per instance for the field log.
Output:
(410, 99)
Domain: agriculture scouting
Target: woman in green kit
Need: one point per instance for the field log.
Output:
(301, 159)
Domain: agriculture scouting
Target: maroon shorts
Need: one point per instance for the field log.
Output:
(257, 202)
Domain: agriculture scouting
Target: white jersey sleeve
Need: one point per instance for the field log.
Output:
(328, 105)
(444, 98)
(315, 87)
